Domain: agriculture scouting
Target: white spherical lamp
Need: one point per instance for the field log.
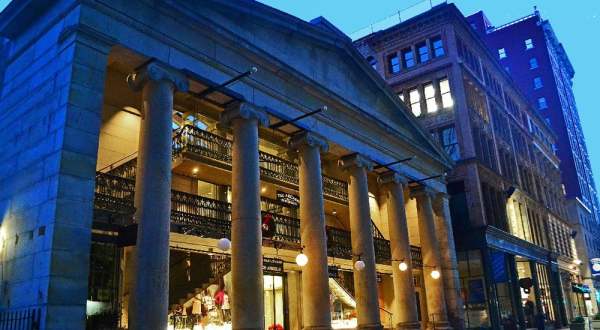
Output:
(359, 265)
(403, 266)
(301, 259)
(224, 244)
(435, 274)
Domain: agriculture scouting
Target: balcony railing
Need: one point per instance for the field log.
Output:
(190, 139)
(206, 217)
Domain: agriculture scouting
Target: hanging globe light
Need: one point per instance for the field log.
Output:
(224, 244)
(403, 266)
(359, 265)
(435, 274)
(301, 259)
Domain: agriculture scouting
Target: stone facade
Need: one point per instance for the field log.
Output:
(88, 165)
(505, 186)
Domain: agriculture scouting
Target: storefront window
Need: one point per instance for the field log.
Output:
(501, 276)
(545, 292)
(342, 303)
(102, 303)
(273, 293)
(200, 292)
(473, 289)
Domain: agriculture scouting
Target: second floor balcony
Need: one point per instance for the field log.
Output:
(211, 218)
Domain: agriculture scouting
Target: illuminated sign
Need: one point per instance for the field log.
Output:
(595, 266)
(288, 199)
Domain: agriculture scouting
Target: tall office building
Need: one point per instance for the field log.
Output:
(531, 53)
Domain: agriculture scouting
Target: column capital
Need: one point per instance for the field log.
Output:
(422, 190)
(391, 177)
(309, 139)
(156, 71)
(355, 160)
(244, 110)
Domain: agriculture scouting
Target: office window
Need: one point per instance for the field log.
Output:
(414, 97)
(533, 64)
(429, 92)
(537, 83)
(447, 138)
(401, 96)
(542, 103)
(372, 62)
(423, 52)
(393, 63)
(445, 93)
(437, 47)
(528, 44)
(502, 53)
(408, 58)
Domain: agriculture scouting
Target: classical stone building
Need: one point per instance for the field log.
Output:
(175, 163)
(508, 209)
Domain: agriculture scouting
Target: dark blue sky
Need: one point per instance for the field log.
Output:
(577, 24)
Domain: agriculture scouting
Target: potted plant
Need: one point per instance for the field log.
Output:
(596, 322)
(577, 323)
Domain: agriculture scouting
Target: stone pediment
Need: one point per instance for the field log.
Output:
(317, 51)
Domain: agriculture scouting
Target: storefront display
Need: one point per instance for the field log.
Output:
(209, 277)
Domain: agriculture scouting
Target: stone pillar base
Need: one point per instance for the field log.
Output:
(443, 325)
(408, 326)
(376, 326)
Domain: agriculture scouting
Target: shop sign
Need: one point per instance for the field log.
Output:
(272, 266)
(288, 199)
(333, 271)
(580, 288)
(595, 266)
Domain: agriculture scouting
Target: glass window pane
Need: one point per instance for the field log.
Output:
(438, 46)
(415, 96)
(444, 86)
(415, 102)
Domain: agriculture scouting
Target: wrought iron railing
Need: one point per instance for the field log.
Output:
(339, 244)
(205, 217)
(193, 140)
(416, 256)
(20, 319)
(114, 194)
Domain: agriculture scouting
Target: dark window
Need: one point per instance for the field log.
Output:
(408, 58)
(393, 63)
(533, 63)
(447, 139)
(437, 47)
(537, 83)
(423, 52)
(372, 62)
(542, 104)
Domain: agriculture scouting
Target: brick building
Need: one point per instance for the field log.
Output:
(509, 212)
(532, 54)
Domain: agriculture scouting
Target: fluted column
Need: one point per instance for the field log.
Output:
(150, 297)
(445, 237)
(246, 236)
(365, 280)
(430, 250)
(315, 279)
(405, 308)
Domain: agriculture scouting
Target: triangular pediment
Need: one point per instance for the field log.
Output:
(318, 52)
